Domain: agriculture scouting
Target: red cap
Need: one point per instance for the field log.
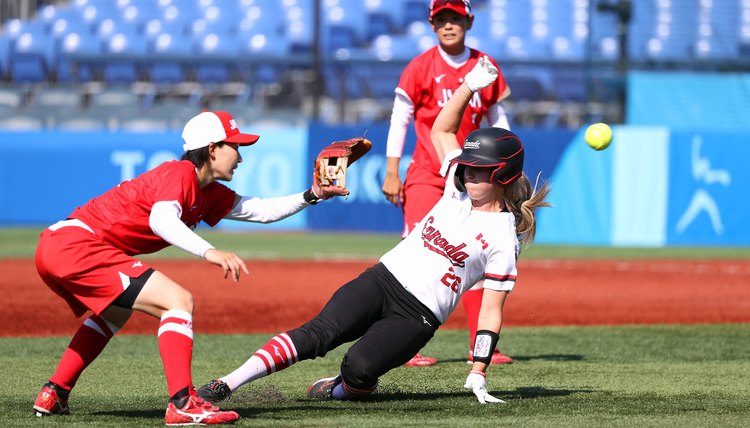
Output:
(212, 127)
(462, 7)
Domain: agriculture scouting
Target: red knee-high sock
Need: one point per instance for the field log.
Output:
(86, 345)
(472, 301)
(277, 354)
(176, 349)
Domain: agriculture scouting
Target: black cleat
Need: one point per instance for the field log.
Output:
(323, 388)
(214, 391)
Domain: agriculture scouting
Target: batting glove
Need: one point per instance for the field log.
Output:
(482, 75)
(477, 383)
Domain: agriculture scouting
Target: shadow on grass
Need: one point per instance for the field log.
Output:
(146, 414)
(249, 408)
(550, 357)
(543, 357)
(528, 392)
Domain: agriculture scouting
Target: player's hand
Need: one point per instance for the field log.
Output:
(482, 75)
(229, 262)
(477, 383)
(393, 189)
(328, 192)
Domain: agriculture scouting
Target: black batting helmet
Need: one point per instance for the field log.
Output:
(495, 148)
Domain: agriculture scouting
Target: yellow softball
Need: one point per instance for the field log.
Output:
(598, 136)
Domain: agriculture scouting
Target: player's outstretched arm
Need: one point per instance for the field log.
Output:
(445, 128)
(489, 324)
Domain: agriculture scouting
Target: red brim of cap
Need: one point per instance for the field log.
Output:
(449, 6)
(242, 139)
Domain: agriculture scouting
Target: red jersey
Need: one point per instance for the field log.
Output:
(429, 82)
(121, 215)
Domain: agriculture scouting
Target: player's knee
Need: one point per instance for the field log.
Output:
(312, 340)
(359, 371)
(183, 300)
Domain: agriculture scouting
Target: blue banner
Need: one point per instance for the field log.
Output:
(651, 187)
(709, 180)
(51, 173)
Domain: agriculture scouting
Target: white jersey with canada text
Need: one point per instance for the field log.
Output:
(452, 248)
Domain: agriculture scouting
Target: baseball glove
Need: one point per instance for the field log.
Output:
(331, 163)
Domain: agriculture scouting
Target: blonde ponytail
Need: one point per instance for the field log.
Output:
(523, 200)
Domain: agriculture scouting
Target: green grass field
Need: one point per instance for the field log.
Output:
(21, 242)
(688, 376)
(653, 376)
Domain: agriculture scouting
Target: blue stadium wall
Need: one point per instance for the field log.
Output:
(657, 185)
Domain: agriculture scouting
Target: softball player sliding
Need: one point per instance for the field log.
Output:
(425, 87)
(394, 308)
(88, 258)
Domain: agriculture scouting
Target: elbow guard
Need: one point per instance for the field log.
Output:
(484, 344)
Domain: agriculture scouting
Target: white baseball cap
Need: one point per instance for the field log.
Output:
(212, 127)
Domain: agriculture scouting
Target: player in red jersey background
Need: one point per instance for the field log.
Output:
(425, 87)
(88, 259)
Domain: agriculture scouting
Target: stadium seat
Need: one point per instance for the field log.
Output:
(202, 27)
(343, 28)
(12, 98)
(52, 102)
(124, 58)
(267, 56)
(603, 28)
(422, 35)
(33, 58)
(390, 13)
(179, 17)
(60, 96)
(525, 87)
(381, 81)
(415, 11)
(379, 24)
(567, 48)
(342, 82)
(394, 48)
(168, 59)
(136, 14)
(217, 53)
(80, 58)
(718, 30)
(156, 27)
(20, 122)
(569, 86)
(299, 31)
(114, 98)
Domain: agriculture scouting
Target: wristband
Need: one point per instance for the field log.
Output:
(310, 197)
(484, 344)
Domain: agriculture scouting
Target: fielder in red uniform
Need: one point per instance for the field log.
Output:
(88, 259)
(425, 87)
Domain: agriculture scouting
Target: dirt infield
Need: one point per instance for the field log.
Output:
(279, 295)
